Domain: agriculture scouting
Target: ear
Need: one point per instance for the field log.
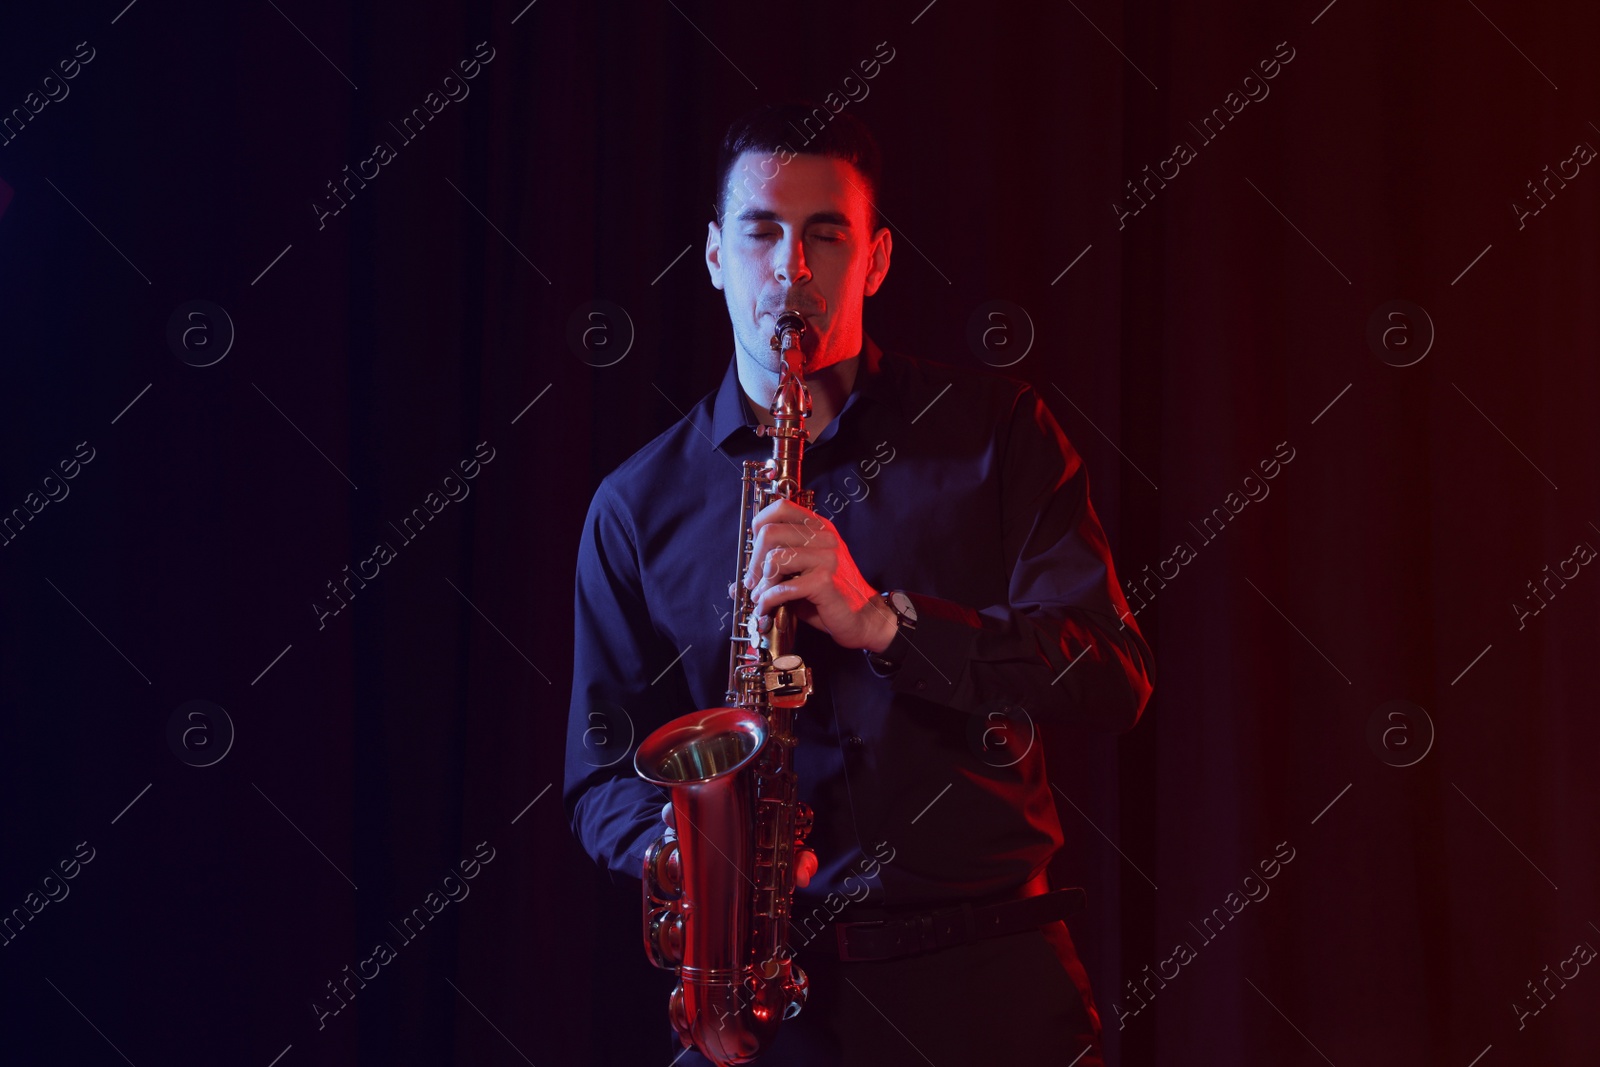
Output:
(882, 246)
(714, 253)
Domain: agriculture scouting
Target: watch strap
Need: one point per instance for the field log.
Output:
(899, 647)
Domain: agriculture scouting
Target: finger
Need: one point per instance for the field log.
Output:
(781, 509)
(808, 521)
(764, 619)
(667, 816)
(789, 524)
(801, 609)
(785, 560)
(799, 587)
(770, 581)
(812, 562)
(780, 559)
(772, 538)
(805, 866)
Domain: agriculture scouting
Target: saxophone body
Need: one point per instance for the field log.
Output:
(718, 893)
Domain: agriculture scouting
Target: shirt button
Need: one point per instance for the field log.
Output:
(921, 685)
(854, 741)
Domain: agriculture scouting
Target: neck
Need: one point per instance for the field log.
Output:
(830, 387)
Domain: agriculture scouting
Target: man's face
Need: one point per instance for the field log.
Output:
(796, 235)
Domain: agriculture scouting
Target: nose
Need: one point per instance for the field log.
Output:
(791, 266)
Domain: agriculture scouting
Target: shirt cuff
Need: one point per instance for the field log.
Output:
(940, 648)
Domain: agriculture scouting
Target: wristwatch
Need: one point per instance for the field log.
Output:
(905, 613)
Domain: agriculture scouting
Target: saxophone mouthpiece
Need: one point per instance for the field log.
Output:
(787, 331)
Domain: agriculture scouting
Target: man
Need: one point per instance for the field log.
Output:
(955, 595)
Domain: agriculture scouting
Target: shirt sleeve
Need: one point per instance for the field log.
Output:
(613, 812)
(1065, 647)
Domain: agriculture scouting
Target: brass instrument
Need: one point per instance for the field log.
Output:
(718, 892)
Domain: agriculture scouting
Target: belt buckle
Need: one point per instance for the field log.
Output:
(841, 937)
(925, 934)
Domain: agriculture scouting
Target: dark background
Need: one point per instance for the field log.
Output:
(373, 354)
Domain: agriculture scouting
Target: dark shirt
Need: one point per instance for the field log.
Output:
(954, 485)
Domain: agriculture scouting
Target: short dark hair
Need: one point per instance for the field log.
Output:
(802, 128)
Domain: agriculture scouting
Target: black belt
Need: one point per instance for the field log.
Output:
(941, 928)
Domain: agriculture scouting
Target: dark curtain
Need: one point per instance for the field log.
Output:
(1369, 273)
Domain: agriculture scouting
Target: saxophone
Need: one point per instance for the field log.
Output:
(717, 894)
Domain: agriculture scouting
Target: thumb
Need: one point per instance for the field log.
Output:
(804, 867)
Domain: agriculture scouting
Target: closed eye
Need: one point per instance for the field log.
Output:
(831, 238)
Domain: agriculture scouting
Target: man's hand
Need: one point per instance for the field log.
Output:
(805, 863)
(799, 559)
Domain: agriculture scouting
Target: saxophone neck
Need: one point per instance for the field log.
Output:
(792, 400)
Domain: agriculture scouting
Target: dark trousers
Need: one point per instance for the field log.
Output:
(1022, 999)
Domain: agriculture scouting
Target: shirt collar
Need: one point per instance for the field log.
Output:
(731, 411)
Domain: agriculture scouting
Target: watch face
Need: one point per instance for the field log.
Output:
(902, 605)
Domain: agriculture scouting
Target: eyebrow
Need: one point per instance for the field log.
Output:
(831, 218)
